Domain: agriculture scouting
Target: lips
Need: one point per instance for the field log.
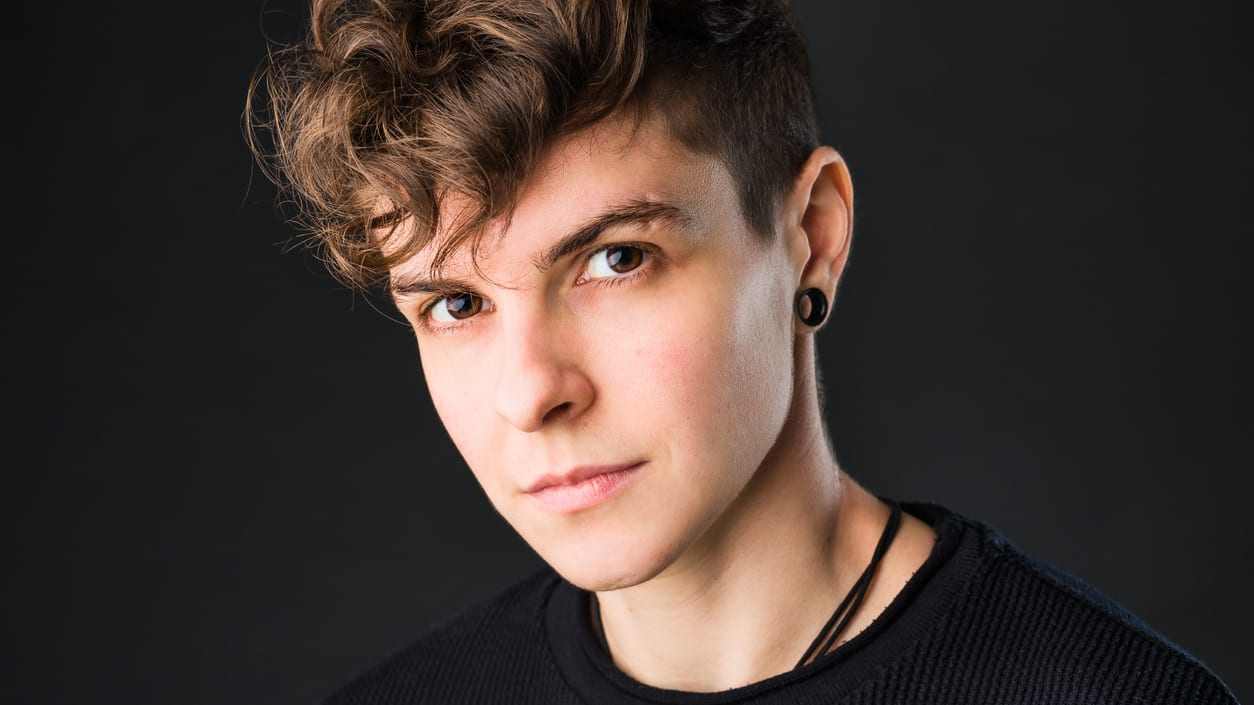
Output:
(582, 487)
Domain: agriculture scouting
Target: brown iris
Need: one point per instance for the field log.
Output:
(463, 305)
(624, 259)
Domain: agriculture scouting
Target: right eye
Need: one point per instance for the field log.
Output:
(456, 307)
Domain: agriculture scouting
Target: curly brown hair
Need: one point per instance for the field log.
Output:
(390, 105)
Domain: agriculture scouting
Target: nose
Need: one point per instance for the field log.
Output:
(540, 380)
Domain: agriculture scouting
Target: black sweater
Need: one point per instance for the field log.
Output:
(980, 622)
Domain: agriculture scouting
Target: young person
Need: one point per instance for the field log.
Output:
(615, 233)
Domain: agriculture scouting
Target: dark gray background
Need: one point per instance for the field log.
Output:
(226, 484)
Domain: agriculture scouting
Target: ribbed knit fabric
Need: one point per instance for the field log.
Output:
(980, 622)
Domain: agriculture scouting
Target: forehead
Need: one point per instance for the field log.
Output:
(614, 162)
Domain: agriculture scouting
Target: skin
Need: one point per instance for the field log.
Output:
(692, 363)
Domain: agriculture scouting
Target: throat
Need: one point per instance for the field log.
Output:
(768, 602)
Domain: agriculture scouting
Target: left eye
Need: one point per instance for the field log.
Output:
(615, 260)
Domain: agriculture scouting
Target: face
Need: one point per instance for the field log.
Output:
(620, 363)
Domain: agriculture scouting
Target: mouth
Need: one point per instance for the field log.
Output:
(582, 487)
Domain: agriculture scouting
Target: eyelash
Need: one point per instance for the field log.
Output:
(650, 254)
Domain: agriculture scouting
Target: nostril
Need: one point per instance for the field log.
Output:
(557, 411)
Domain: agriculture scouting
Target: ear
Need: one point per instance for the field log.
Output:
(818, 217)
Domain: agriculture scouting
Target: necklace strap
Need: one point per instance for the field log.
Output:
(853, 599)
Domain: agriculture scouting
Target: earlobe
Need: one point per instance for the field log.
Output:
(812, 307)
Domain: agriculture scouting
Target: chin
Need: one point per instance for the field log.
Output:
(603, 565)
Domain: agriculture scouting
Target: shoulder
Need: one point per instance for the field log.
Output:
(1044, 627)
(494, 646)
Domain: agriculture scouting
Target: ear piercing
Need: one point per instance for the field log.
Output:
(812, 307)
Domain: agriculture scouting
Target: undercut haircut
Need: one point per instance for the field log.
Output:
(389, 107)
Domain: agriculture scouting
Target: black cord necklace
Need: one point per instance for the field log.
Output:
(821, 645)
(848, 606)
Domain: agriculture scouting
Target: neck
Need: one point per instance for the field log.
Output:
(744, 602)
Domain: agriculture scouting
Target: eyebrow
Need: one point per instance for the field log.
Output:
(636, 212)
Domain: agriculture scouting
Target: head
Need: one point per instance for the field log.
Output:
(597, 217)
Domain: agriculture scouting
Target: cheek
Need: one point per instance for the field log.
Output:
(668, 370)
(432, 367)
(711, 370)
(459, 399)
